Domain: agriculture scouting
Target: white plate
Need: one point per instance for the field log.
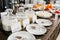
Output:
(44, 22)
(25, 35)
(44, 14)
(36, 29)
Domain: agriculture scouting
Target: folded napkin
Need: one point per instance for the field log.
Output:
(15, 26)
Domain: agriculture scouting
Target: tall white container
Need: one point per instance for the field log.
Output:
(5, 22)
(5, 17)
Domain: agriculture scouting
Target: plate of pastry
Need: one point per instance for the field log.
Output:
(44, 22)
(37, 6)
(22, 35)
(36, 29)
(44, 14)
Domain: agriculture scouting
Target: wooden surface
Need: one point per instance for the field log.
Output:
(53, 32)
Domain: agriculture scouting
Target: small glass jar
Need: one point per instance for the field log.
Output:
(23, 19)
(31, 14)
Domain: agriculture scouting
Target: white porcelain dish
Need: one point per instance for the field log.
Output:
(23, 36)
(36, 29)
(44, 22)
(44, 14)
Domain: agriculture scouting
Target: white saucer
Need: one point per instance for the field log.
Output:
(44, 22)
(44, 14)
(36, 29)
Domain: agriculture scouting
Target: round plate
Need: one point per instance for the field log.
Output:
(44, 14)
(36, 29)
(23, 34)
(44, 22)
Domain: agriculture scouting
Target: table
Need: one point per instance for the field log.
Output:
(51, 34)
(53, 31)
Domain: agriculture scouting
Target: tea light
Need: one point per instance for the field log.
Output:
(18, 38)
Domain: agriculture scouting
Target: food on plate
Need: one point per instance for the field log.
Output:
(48, 6)
(57, 12)
(33, 27)
(37, 6)
(18, 37)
